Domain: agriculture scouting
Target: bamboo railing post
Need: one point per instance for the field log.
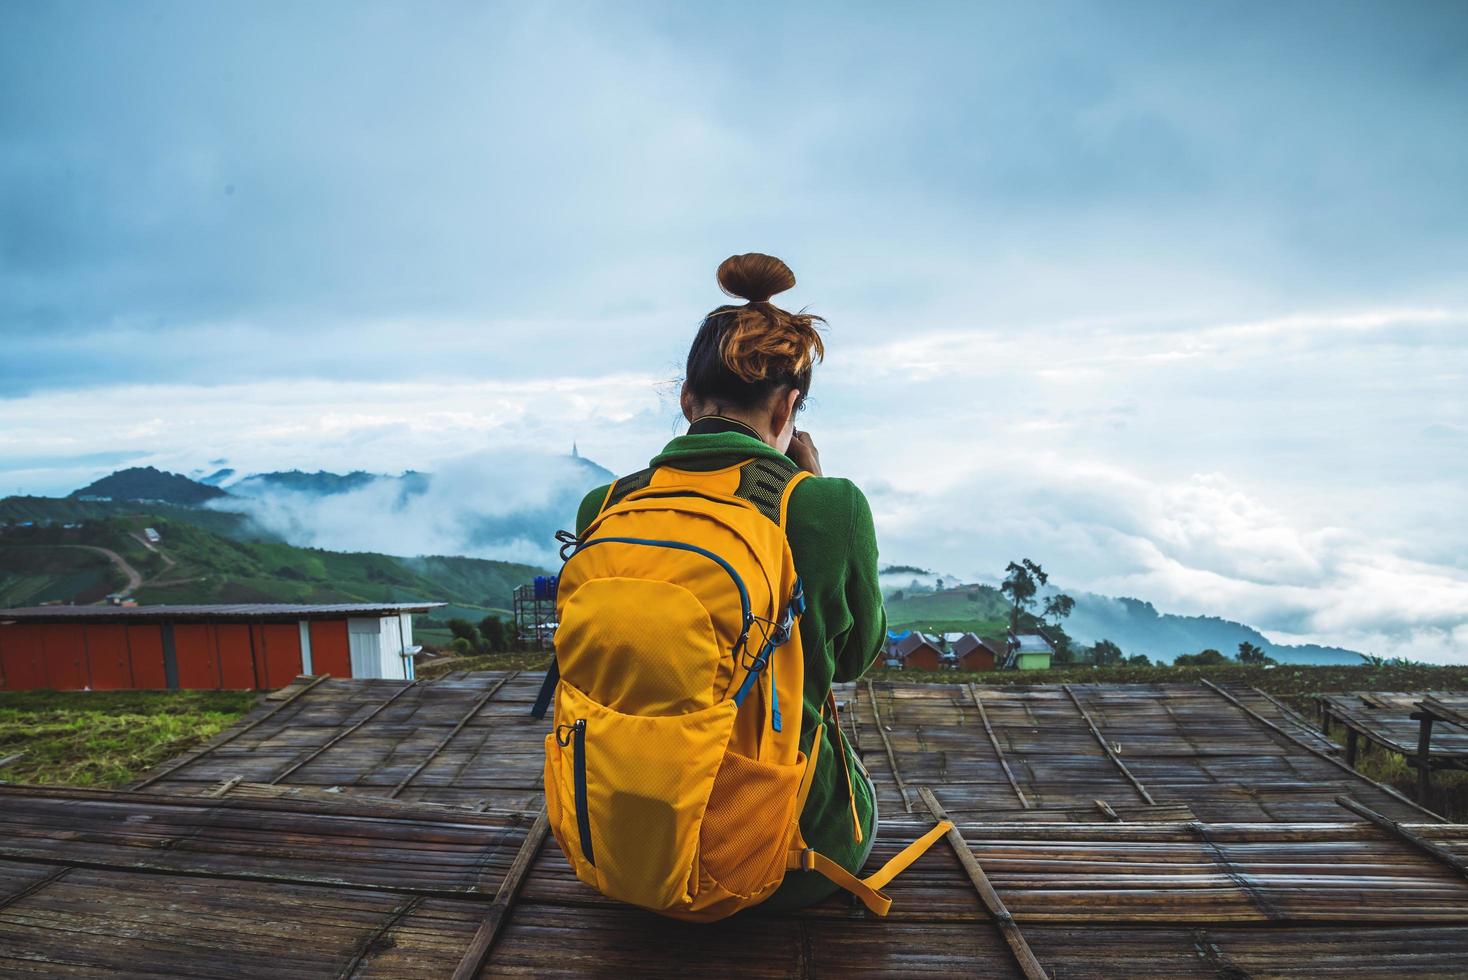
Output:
(1424, 753)
(973, 691)
(1008, 928)
(499, 910)
(199, 754)
(1317, 752)
(1398, 830)
(1136, 783)
(887, 744)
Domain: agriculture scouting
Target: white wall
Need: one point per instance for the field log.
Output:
(377, 644)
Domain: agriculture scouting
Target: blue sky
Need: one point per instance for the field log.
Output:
(1168, 297)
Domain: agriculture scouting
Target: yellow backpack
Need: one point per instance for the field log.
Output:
(673, 780)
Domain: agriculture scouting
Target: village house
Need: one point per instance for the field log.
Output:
(972, 652)
(1030, 651)
(914, 651)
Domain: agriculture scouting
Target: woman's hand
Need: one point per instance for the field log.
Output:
(803, 452)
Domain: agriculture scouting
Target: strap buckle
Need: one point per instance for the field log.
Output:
(808, 859)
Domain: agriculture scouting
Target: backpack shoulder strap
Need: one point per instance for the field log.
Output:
(766, 483)
(626, 485)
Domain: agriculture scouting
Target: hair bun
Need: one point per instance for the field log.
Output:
(754, 276)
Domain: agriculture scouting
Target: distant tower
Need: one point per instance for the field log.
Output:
(574, 453)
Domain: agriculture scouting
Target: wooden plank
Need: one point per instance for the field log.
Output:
(1023, 955)
(887, 744)
(499, 910)
(343, 733)
(1106, 746)
(1397, 829)
(1317, 752)
(479, 703)
(998, 752)
(229, 737)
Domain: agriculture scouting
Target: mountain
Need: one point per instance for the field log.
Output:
(1137, 627)
(148, 483)
(320, 483)
(191, 564)
(1132, 624)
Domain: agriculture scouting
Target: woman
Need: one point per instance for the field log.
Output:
(748, 376)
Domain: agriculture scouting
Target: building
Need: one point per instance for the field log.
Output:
(1030, 651)
(972, 652)
(916, 652)
(259, 646)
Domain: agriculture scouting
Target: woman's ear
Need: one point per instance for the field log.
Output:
(782, 417)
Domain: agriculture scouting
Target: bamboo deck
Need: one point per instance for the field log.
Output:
(95, 883)
(1386, 719)
(468, 740)
(373, 828)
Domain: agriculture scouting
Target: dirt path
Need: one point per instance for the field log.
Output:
(134, 579)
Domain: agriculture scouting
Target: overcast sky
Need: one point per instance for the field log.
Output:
(1168, 297)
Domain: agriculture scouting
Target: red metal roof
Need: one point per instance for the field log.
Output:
(233, 612)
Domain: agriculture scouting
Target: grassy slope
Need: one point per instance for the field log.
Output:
(98, 738)
(979, 608)
(212, 567)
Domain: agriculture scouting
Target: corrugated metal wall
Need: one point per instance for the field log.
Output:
(197, 656)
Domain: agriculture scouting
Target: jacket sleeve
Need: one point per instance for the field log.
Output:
(861, 644)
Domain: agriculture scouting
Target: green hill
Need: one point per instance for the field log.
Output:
(980, 608)
(149, 483)
(196, 564)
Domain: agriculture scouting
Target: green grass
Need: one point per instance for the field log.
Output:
(979, 608)
(107, 738)
(515, 660)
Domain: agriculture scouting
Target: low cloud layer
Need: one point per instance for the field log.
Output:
(504, 505)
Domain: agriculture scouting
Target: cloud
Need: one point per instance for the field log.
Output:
(1170, 299)
(1204, 546)
(504, 505)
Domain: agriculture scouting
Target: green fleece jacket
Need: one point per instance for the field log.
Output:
(834, 543)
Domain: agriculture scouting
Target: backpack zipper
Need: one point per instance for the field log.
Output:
(583, 811)
(680, 546)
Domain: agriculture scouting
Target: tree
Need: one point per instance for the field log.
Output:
(1021, 582)
(461, 646)
(1138, 660)
(464, 630)
(1059, 606)
(496, 637)
(1251, 654)
(1203, 658)
(1104, 653)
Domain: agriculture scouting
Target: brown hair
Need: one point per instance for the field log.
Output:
(743, 354)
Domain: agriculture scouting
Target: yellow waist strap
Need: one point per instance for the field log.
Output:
(868, 889)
